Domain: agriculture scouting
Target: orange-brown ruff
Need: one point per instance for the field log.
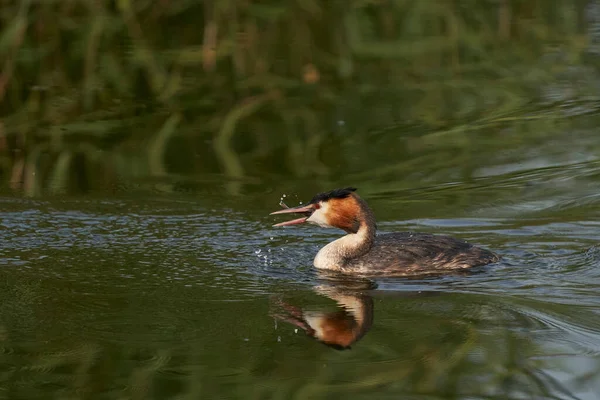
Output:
(363, 252)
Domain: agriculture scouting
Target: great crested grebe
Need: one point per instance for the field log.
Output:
(363, 252)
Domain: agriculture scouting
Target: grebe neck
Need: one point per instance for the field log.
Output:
(336, 254)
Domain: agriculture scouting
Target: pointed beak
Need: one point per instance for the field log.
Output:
(306, 210)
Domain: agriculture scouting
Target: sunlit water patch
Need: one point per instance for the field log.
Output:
(133, 247)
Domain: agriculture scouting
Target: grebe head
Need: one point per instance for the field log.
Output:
(340, 208)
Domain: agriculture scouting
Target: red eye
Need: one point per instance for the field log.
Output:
(317, 206)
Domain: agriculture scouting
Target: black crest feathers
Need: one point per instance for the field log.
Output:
(334, 194)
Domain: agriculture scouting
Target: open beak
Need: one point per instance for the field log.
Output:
(306, 210)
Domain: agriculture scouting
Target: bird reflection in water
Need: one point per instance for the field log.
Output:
(354, 315)
(337, 329)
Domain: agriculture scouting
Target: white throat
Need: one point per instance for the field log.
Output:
(335, 255)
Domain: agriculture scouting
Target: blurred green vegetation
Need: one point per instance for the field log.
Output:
(96, 93)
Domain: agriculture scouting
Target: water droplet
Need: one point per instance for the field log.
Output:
(296, 330)
(283, 196)
(257, 251)
(279, 338)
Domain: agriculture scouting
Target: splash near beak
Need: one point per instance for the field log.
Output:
(307, 210)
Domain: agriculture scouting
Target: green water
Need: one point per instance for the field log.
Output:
(172, 295)
(138, 169)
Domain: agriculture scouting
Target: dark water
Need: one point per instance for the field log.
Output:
(144, 144)
(149, 295)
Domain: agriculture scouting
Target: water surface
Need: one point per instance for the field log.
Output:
(172, 296)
